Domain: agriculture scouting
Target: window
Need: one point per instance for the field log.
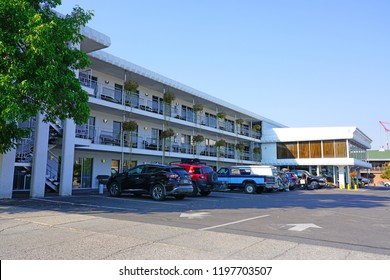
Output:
(245, 171)
(287, 150)
(223, 171)
(117, 128)
(315, 149)
(229, 125)
(137, 170)
(118, 93)
(82, 173)
(152, 169)
(157, 105)
(114, 166)
(211, 120)
(341, 148)
(328, 147)
(304, 150)
(187, 113)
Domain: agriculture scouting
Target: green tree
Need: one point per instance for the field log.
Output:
(37, 66)
(386, 173)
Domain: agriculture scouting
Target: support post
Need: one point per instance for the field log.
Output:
(7, 170)
(67, 159)
(39, 163)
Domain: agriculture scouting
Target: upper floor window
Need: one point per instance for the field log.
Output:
(210, 120)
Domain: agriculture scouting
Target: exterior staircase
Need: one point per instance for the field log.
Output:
(24, 156)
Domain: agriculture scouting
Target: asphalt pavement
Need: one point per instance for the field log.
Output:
(103, 228)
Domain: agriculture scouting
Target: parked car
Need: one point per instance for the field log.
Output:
(386, 184)
(155, 179)
(365, 181)
(251, 178)
(204, 178)
(308, 180)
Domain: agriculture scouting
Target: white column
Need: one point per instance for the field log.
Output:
(67, 158)
(7, 169)
(348, 179)
(342, 177)
(39, 163)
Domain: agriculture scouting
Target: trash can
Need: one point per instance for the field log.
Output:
(102, 179)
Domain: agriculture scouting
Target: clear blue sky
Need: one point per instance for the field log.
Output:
(300, 63)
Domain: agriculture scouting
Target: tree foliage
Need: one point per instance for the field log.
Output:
(37, 64)
(386, 173)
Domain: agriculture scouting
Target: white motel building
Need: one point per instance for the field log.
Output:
(63, 157)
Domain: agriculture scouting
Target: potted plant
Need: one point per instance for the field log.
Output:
(168, 97)
(257, 150)
(131, 85)
(198, 107)
(240, 147)
(220, 143)
(239, 121)
(221, 115)
(167, 133)
(256, 127)
(129, 125)
(198, 138)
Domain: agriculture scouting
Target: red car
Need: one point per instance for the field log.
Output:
(203, 176)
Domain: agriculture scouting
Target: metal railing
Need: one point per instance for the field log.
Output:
(134, 100)
(103, 136)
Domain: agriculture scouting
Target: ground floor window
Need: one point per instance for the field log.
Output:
(82, 173)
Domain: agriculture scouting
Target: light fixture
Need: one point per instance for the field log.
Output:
(145, 128)
(146, 94)
(105, 120)
(106, 82)
(103, 161)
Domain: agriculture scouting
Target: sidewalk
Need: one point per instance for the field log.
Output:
(28, 234)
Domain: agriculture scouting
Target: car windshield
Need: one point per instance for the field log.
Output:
(207, 169)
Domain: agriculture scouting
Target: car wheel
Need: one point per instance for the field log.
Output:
(180, 196)
(387, 185)
(313, 184)
(158, 192)
(250, 188)
(115, 189)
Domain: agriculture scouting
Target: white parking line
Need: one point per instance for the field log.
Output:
(236, 222)
(86, 205)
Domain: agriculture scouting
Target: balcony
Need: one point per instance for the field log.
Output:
(112, 138)
(157, 106)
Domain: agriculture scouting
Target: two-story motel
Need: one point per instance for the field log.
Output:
(63, 157)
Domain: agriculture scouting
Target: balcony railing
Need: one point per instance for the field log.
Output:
(134, 100)
(103, 136)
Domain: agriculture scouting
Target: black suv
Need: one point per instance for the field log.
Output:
(310, 181)
(155, 179)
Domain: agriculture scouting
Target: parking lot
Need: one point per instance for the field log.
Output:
(301, 224)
